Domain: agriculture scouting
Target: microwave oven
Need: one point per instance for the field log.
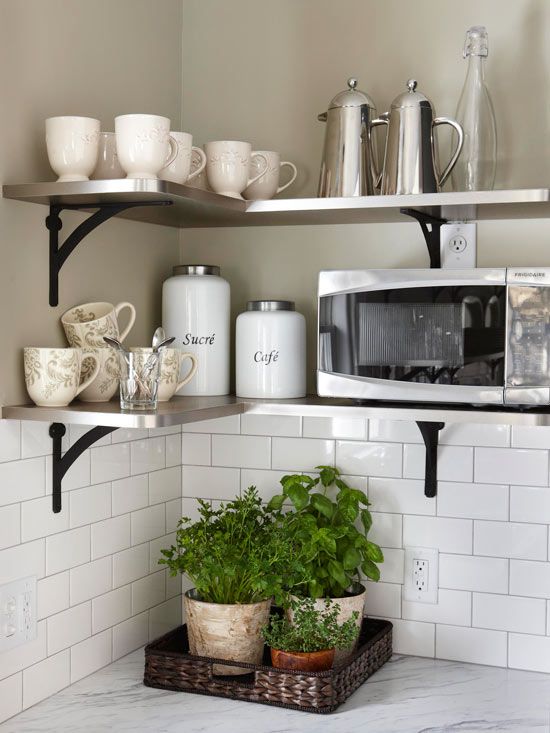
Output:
(479, 336)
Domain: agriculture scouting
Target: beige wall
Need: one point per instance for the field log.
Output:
(261, 70)
(99, 59)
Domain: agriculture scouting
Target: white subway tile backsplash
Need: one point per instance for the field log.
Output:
(383, 599)
(38, 520)
(165, 617)
(111, 608)
(89, 505)
(110, 536)
(35, 439)
(110, 462)
(387, 529)
(273, 425)
(10, 525)
(130, 565)
(225, 425)
(173, 450)
(147, 455)
(165, 485)
(91, 655)
(526, 436)
(174, 513)
(391, 570)
(210, 482)
(129, 494)
(509, 539)
(155, 547)
(495, 436)
(447, 535)
(530, 578)
(394, 431)
(10, 440)
(22, 560)
(478, 646)
(196, 449)
(11, 696)
(77, 431)
(168, 430)
(130, 635)
(466, 572)
(267, 482)
(23, 656)
(301, 454)
(452, 607)
(91, 580)
(148, 524)
(454, 463)
(530, 504)
(67, 550)
(529, 652)
(22, 480)
(69, 627)
(369, 459)
(335, 427)
(509, 613)
(413, 637)
(474, 501)
(148, 592)
(76, 477)
(401, 496)
(241, 451)
(125, 435)
(46, 678)
(511, 466)
(52, 594)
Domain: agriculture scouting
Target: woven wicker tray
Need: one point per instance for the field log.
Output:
(169, 666)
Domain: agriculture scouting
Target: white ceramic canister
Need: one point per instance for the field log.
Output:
(195, 309)
(271, 351)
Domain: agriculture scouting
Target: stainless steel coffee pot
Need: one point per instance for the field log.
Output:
(348, 167)
(411, 158)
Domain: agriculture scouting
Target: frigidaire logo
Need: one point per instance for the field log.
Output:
(529, 274)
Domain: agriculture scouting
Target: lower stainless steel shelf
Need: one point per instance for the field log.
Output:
(181, 410)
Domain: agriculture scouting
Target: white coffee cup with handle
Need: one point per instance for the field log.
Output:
(72, 145)
(171, 362)
(228, 165)
(144, 144)
(183, 168)
(85, 325)
(53, 376)
(267, 185)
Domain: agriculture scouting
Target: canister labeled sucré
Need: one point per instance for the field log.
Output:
(271, 351)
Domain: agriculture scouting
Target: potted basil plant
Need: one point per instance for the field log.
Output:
(308, 642)
(237, 557)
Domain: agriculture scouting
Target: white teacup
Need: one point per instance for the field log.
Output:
(268, 184)
(107, 159)
(72, 145)
(104, 386)
(53, 376)
(86, 325)
(227, 166)
(170, 368)
(144, 144)
(189, 162)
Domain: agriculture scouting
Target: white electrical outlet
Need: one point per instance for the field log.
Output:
(421, 574)
(458, 245)
(17, 613)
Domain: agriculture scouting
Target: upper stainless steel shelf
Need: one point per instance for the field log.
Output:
(192, 207)
(181, 410)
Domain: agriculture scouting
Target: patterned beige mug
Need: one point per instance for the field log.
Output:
(54, 376)
(170, 370)
(104, 386)
(86, 325)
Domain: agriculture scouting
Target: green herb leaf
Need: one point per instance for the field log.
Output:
(352, 559)
(336, 571)
(276, 502)
(374, 553)
(371, 570)
(366, 519)
(298, 495)
(323, 505)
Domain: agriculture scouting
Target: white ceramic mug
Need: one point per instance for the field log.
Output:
(171, 362)
(268, 184)
(227, 166)
(53, 376)
(144, 144)
(86, 325)
(108, 165)
(189, 162)
(72, 145)
(104, 386)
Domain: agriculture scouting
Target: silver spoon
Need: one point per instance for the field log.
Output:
(163, 344)
(158, 337)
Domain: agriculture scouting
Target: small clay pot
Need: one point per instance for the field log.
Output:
(303, 661)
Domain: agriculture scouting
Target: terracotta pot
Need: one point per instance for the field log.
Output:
(303, 661)
(226, 631)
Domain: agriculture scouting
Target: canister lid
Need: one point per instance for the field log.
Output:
(196, 270)
(270, 305)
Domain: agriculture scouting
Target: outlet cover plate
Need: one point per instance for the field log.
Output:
(458, 241)
(410, 590)
(17, 613)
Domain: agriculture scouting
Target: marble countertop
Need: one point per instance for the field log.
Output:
(408, 695)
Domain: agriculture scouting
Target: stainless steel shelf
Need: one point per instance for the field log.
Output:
(192, 207)
(183, 410)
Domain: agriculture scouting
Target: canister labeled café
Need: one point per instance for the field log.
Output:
(271, 351)
(195, 309)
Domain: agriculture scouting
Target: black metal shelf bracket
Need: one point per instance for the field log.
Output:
(60, 253)
(62, 463)
(431, 235)
(430, 435)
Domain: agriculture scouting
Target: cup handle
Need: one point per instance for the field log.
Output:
(174, 149)
(191, 372)
(292, 178)
(253, 154)
(460, 132)
(90, 379)
(132, 320)
(202, 155)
